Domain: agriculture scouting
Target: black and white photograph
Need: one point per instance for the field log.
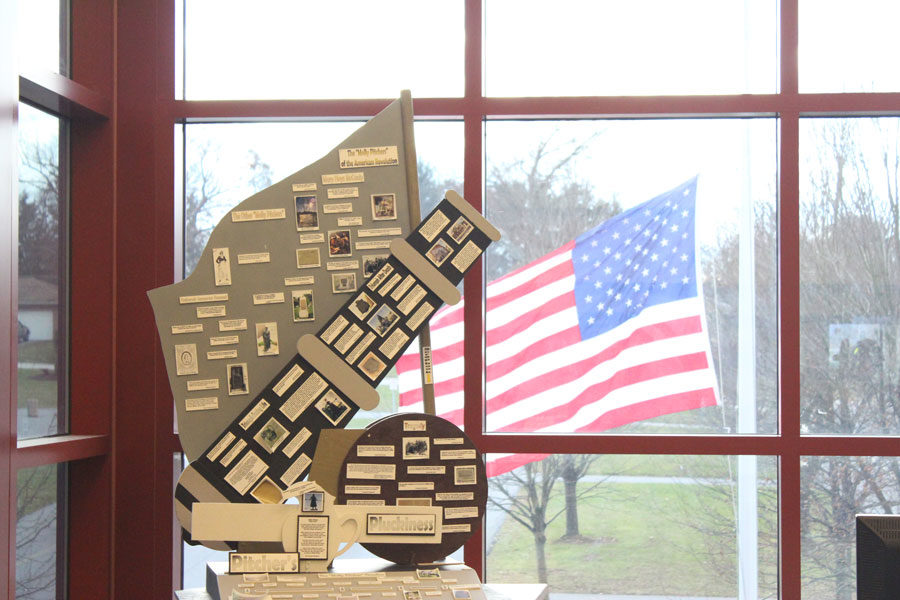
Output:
(460, 230)
(302, 305)
(384, 207)
(238, 381)
(428, 574)
(416, 448)
(412, 595)
(186, 359)
(362, 306)
(308, 258)
(221, 266)
(464, 475)
(461, 595)
(339, 243)
(343, 283)
(439, 252)
(332, 407)
(383, 319)
(267, 339)
(372, 366)
(271, 435)
(307, 212)
(372, 263)
(314, 502)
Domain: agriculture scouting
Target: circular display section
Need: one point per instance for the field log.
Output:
(416, 459)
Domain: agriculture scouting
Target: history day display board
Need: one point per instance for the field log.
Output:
(277, 266)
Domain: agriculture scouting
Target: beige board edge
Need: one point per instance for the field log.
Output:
(324, 360)
(424, 272)
(331, 450)
(239, 522)
(472, 215)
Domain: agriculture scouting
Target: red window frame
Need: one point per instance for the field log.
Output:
(120, 100)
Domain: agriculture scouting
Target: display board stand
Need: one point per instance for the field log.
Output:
(220, 584)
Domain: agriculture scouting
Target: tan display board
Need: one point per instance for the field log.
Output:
(415, 460)
(278, 266)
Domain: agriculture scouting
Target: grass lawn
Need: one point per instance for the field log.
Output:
(38, 352)
(640, 541)
(35, 383)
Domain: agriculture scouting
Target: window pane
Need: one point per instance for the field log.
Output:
(40, 531)
(226, 163)
(577, 48)
(43, 43)
(834, 490)
(849, 253)
(42, 267)
(570, 345)
(845, 50)
(351, 49)
(671, 526)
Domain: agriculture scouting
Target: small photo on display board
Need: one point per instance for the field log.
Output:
(238, 381)
(308, 258)
(307, 213)
(332, 407)
(383, 320)
(343, 283)
(314, 502)
(371, 264)
(267, 339)
(439, 252)
(302, 303)
(339, 243)
(384, 207)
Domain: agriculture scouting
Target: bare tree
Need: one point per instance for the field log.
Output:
(201, 195)
(36, 533)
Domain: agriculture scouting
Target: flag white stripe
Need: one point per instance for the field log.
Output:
(501, 286)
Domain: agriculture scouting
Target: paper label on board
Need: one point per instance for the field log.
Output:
(342, 265)
(418, 317)
(246, 472)
(219, 448)
(203, 298)
(414, 486)
(415, 425)
(205, 312)
(221, 354)
(400, 524)
(296, 442)
(254, 414)
(373, 245)
(223, 340)
(457, 528)
(360, 348)
(269, 298)
(348, 338)
(364, 450)
(306, 280)
(394, 343)
(362, 489)
(303, 396)
(334, 329)
(208, 403)
(434, 226)
(338, 207)
(412, 299)
(340, 178)
(295, 470)
(192, 328)
(427, 374)
(233, 325)
(349, 222)
(253, 258)
(371, 471)
(460, 512)
(312, 538)
(426, 470)
(379, 277)
(364, 502)
(288, 380)
(466, 454)
(312, 238)
(408, 281)
(198, 385)
(303, 187)
(343, 192)
(465, 257)
(233, 453)
(389, 285)
(257, 562)
(373, 156)
(454, 496)
(262, 214)
(447, 441)
(379, 231)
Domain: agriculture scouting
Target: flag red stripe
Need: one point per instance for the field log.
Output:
(564, 248)
(574, 370)
(551, 343)
(505, 464)
(596, 392)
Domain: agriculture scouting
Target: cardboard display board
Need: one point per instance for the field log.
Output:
(268, 446)
(277, 266)
(414, 459)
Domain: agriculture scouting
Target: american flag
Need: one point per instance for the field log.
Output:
(607, 330)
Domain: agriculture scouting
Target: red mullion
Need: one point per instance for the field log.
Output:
(9, 96)
(473, 311)
(244, 110)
